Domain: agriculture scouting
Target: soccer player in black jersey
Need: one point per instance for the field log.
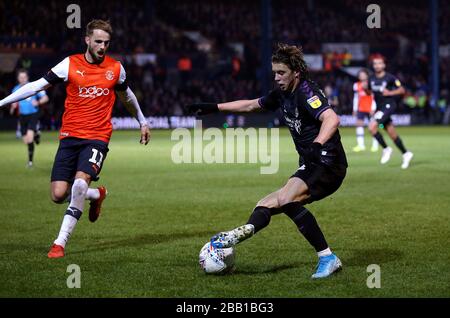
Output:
(387, 91)
(322, 164)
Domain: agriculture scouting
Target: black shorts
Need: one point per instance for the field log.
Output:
(76, 154)
(383, 115)
(362, 115)
(321, 180)
(28, 122)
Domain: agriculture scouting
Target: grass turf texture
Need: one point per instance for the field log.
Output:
(159, 214)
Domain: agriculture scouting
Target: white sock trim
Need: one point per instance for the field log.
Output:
(67, 227)
(92, 194)
(326, 252)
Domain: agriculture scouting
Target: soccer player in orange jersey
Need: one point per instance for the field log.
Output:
(363, 107)
(92, 81)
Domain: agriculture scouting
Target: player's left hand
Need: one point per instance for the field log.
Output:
(386, 92)
(145, 135)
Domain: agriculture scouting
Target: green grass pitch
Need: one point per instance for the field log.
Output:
(159, 214)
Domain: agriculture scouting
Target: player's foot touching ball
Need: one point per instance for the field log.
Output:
(231, 238)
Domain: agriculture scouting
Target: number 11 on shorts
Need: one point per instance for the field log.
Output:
(93, 159)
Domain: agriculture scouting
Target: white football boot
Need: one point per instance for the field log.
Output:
(407, 156)
(386, 156)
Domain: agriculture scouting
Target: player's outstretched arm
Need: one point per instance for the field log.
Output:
(26, 91)
(132, 105)
(239, 106)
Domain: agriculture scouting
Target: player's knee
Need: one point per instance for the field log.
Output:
(79, 187)
(58, 196)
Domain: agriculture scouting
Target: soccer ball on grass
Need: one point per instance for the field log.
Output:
(215, 260)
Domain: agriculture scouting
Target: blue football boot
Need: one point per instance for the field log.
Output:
(327, 265)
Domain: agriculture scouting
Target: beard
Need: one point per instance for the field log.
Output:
(97, 59)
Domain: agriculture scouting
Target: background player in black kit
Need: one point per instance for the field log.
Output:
(387, 90)
(322, 165)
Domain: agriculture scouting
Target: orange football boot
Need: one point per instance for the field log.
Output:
(56, 251)
(96, 205)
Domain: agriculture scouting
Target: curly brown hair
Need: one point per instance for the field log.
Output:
(292, 57)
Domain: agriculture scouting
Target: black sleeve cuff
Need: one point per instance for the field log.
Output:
(52, 78)
(121, 87)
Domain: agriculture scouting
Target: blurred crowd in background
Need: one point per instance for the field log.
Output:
(210, 50)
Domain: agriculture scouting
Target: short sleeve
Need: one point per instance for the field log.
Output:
(122, 83)
(271, 101)
(397, 82)
(59, 73)
(317, 103)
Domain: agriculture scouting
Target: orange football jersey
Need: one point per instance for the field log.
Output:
(90, 98)
(364, 100)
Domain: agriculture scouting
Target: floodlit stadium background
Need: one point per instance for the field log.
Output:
(159, 214)
(182, 51)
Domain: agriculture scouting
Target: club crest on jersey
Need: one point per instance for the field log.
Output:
(314, 102)
(109, 75)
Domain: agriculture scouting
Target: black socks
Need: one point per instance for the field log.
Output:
(260, 218)
(306, 224)
(398, 142)
(30, 151)
(380, 139)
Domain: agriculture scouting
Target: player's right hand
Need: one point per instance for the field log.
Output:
(145, 135)
(200, 109)
(313, 152)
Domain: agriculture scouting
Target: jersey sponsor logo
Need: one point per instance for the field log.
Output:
(81, 73)
(109, 75)
(314, 102)
(295, 124)
(92, 91)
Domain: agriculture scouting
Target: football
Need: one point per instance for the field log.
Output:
(214, 260)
